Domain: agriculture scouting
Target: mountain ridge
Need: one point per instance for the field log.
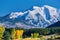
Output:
(39, 17)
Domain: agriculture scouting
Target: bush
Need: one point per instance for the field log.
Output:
(35, 35)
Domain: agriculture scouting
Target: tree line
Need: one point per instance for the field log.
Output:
(13, 33)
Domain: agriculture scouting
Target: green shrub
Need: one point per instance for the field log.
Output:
(35, 35)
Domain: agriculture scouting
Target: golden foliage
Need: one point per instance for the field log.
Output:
(2, 29)
(19, 33)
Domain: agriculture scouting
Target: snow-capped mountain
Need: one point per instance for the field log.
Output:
(39, 17)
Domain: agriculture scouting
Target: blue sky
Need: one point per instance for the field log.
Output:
(8, 6)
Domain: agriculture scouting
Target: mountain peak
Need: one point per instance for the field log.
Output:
(39, 17)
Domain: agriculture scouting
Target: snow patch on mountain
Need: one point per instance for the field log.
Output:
(16, 14)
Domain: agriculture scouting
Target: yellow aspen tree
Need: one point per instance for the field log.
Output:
(13, 34)
(19, 33)
(2, 29)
